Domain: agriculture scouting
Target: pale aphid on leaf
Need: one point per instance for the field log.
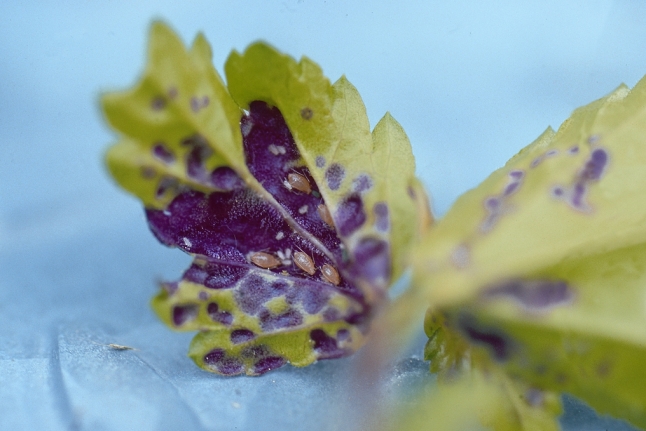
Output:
(298, 217)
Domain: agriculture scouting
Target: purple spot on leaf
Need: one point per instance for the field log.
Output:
(534, 397)
(214, 356)
(158, 103)
(320, 161)
(331, 314)
(255, 291)
(516, 175)
(166, 184)
(198, 152)
(170, 287)
(195, 104)
(492, 204)
(215, 275)
(577, 197)
(288, 319)
(350, 215)
(372, 260)
(310, 295)
(362, 183)
(511, 188)
(534, 295)
(219, 361)
(222, 317)
(537, 161)
(148, 172)
(325, 346)
(496, 343)
(241, 336)
(334, 176)
(342, 334)
(269, 363)
(184, 313)
(226, 179)
(230, 367)
(163, 153)
(594, 167)
(382, 222)
(573, 150)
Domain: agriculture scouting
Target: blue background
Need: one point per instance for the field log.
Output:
(470, 82)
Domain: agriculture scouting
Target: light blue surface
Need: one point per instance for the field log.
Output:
(471, 84)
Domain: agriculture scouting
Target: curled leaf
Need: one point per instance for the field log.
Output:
(542, 266)
(298, 217)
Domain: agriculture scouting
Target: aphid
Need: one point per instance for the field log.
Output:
(299, 182)
(330, 274)
(264, 260)
(325, 215)
(304, 262)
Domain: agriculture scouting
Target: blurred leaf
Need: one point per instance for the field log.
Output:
(542, 266)
(483, 396)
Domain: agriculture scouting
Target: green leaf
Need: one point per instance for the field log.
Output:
(541, 267)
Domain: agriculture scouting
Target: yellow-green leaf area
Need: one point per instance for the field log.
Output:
(573, 193)
(255, 355)
(593, 346)
(197, 302)
(477, 399)
(179, 110)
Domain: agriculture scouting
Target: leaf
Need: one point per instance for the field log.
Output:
(297, 216)
(542, 266)
(331, 130)
(477, 396)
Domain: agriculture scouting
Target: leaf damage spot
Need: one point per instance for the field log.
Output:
(494, 340)
(592, 171)
(307, 113)
(334, 176)
(533, 295)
